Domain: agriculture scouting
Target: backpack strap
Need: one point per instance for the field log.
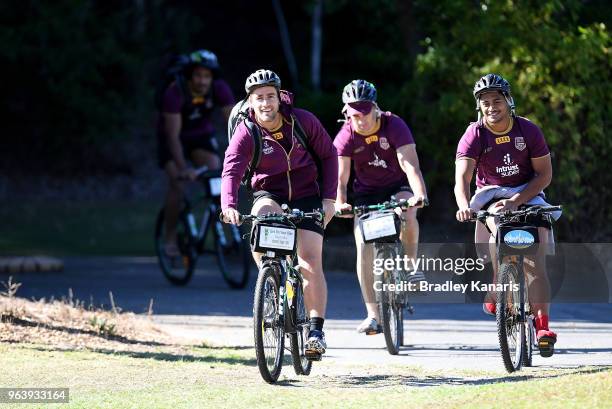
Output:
(302, 138)
(256, 158)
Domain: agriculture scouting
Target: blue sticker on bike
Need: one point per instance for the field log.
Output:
(519, 239)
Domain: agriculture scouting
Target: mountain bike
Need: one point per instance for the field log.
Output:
(517, 237)
(209, 237)
(380, 225)
(278, 303)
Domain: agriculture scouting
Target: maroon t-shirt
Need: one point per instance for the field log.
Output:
(196, 119)
(503, 160)
(374, 156)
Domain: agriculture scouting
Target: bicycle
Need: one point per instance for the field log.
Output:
(227, 245)
(381, 225)
(514, 317)
(278, 303)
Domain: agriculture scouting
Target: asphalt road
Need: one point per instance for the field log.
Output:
(443, 336)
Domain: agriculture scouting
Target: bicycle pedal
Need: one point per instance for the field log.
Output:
(313, 356)
(546, 345)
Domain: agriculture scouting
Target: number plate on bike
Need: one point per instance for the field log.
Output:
(215, 186)
(518, 239)
(280, 239)
(380, 227)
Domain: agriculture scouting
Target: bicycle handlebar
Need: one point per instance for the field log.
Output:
(533, 210)
(291, 215)
(402, 203)
(203, 173)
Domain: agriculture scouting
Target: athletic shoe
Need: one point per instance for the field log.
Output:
(315, 346)
(369, 326)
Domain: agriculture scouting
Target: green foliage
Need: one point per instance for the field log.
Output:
(560, 76)
(78, 72)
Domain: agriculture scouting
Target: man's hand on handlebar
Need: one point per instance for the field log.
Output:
(464, 214)
(417, 201)
(328, 208)
(341, 208)
(231, 216)
(190, 174)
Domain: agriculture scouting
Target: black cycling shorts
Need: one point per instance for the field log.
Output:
(306, 204)
(205, 142)
(368, 199)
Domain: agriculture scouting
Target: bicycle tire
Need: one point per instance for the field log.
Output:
(388, 302)
(268, 334)
(229, 249)
(510, 331)
(187, 248)
(527, 360)
(301, 364)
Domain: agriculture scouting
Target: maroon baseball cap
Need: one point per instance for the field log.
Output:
(361, 107)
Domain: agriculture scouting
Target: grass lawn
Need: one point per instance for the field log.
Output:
(210, 377)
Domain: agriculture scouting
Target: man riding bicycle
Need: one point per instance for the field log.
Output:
(286, 174)
(386, 164)
(513, 167)
(185, 130)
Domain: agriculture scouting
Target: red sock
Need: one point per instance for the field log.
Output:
(541, 322)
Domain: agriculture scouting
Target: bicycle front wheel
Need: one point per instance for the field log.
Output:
(510, 329)
(233, 255)
(177, 269)
(301, 364)
(269, 332)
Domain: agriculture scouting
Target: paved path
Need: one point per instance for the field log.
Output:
(442, 336)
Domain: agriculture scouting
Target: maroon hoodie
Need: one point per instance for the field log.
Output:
(286, 168)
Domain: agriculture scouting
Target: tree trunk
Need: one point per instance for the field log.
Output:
(286, 42)
(317, 39)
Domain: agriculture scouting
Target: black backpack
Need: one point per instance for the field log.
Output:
(173, 72)
(239, 114)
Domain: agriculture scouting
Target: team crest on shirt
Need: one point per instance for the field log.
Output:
(384, 143)
(519, 143)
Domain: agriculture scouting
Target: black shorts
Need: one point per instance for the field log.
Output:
(205, 142)
(368, 199)
(306, 204)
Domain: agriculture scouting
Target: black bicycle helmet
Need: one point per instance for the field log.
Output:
(262, 78)
(493, 82)
(359, 90)
(204, 58)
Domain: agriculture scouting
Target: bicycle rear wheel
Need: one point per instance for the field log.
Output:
(233, 255)
(178, 270)
(510, 329)
(268, 331)
(301, 364)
